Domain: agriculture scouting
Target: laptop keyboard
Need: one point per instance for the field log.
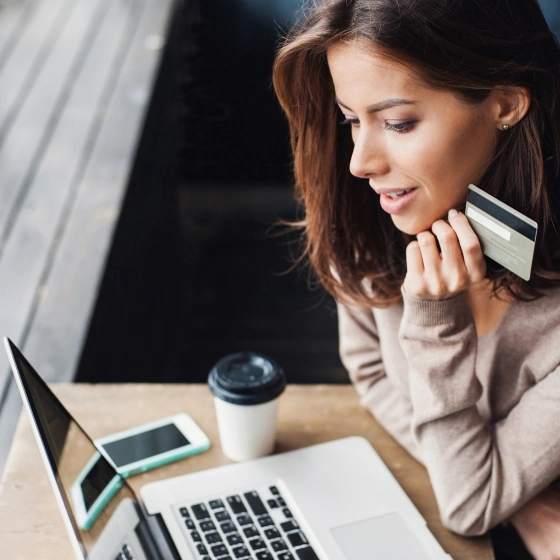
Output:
(247, 526)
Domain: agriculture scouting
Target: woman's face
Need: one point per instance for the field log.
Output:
(418, 147)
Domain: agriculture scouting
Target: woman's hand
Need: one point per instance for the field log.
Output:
(538, 525)
(434, 273)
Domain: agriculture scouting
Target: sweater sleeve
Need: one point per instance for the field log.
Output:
(361, 356)
(480, 473)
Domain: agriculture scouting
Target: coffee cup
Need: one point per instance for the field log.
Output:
(246, 388)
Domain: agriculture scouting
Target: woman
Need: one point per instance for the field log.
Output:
(395, 107)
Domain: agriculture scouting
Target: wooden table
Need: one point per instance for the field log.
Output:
(31, 527)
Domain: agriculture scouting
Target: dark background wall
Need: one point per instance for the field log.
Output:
(551, 9)
(197, 269)
(234, 131)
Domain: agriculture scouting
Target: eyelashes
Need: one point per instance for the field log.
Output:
(351, 122)
(401, 127)
(396, 127)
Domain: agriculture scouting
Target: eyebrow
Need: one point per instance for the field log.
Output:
(376, 107)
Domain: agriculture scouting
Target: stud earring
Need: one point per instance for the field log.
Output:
(505, 127)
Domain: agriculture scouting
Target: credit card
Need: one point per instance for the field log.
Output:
(506, 236)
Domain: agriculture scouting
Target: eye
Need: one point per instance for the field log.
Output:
(400, 127)
(350, 121)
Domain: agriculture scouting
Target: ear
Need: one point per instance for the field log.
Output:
(511, 105)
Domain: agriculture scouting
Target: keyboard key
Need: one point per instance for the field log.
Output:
(274, 490)
(271, 533)
(288, 526)
(236, 504)
(190, 523)
(255, 503)
(206, 558)
(195, 536)
(287, 512)
(200, 511)
(127, 551)
(306, 553)
(185, 512)
(216, 504)
(244, 519)
(213, 538)
(234, 538)
(297, 539)
(265, 521)
(201, 549)
(240, 552)
(285, 556)
(272, 504)
(228, 527)
(278, 545)
(251, 532)
(222, 515)
(264, 555)
(281, 501)
(219, 550)
(257, 544)
(120, 556)
(206, 526)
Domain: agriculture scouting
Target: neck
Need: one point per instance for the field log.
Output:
(487, 309)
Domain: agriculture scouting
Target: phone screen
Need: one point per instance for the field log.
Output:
(145, 444)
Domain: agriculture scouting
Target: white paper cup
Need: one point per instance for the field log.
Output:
(246, 388)
(246, 431)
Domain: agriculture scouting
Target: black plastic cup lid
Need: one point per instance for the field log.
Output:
(246, 378)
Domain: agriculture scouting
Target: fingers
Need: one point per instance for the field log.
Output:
(470, 246)
(429, 250)
(451, 254)
(440, 272)
(414, 261)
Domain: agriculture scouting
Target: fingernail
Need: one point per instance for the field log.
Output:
(452, 213)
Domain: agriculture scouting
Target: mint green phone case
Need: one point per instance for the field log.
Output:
(163, 459)
(199, 443)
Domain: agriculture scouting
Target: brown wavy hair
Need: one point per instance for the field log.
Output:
(468, 47)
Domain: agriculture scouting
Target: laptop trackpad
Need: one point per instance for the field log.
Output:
(387, 537)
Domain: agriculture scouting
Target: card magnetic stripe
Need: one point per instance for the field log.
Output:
(525, 229)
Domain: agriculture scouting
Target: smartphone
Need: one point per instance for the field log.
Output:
(154, 444)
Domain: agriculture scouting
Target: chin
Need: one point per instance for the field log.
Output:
(411, 227)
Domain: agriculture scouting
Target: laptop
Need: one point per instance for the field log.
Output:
(332, 501)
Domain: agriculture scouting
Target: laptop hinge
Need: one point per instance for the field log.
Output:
(160, 533)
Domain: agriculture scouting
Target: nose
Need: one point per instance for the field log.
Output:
(369, 158)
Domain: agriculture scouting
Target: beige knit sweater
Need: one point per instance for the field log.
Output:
(482, 414)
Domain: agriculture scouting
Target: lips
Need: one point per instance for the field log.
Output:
(395, 195)
(396, 201)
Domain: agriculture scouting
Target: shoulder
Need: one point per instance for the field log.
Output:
(541, 310)
(532, 332)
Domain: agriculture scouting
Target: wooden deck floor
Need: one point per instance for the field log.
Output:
(77, 77)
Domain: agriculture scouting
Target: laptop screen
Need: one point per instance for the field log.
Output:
(98, 504)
